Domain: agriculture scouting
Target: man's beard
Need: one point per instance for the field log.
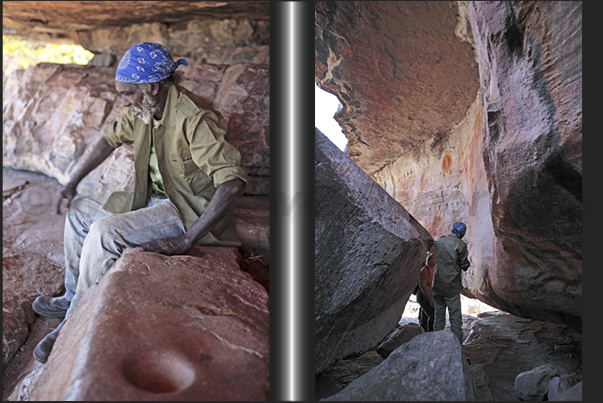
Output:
(148, 107)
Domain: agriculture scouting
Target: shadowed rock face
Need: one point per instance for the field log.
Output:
(157, 327)
(368, 254)
(503, 155)
(531, 90)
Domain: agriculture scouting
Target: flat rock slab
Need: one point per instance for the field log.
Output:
(164, 328)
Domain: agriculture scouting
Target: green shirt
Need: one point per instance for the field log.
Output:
(451, 257)
(193, 159)
(154, 172)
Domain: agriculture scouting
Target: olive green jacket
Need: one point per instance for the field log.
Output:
(451, 257)
(193, 158)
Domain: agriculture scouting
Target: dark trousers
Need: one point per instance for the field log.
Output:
(426, 313)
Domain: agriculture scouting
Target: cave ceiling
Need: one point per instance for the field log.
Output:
(56, 21)
(404, 72)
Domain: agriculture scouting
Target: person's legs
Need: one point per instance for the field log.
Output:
(456, 316)
(83, 211)
(110, 236)
(422, 316)
(440, 312)
(43, 348)
(430, 312)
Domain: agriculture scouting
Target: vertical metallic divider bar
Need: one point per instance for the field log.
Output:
(291, 201)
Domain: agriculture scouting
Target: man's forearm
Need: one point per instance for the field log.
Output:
(223, 201)
(100, 151)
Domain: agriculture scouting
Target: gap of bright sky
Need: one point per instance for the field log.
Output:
(325, 106)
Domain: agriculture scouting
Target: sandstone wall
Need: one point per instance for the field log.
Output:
(53, 112)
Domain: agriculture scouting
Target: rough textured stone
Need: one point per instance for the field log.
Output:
(27, 243)
(507, 159)
(430, 367)
(187, 328)
(534, 384)
(212, 32)
(368, 253)
(19, 289)
(243, 99)
(53, 112)
(402, 334)
(501, 346)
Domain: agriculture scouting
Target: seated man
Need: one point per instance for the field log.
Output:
(187, 180)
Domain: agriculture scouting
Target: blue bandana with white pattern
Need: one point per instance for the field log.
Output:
(459, 229)
(146, 62)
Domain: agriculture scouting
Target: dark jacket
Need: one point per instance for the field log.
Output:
(451, 257)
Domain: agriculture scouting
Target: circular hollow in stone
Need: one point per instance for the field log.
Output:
(164, 373)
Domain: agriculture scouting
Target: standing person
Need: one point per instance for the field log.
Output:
(451, 258)
(424, 298)
(187, 180)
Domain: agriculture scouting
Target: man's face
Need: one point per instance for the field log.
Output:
(140, 99)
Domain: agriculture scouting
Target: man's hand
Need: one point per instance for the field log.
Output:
(68, 193)
(169, 246)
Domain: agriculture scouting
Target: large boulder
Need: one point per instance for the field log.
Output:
(157, 327)
(430, 367)
(368, 253)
